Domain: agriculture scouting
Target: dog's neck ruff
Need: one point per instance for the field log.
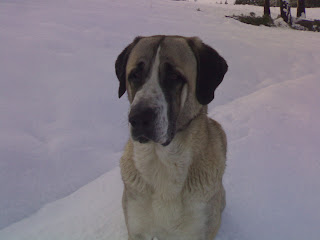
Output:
(163, 168)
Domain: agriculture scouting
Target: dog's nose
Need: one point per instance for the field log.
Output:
(142, 119)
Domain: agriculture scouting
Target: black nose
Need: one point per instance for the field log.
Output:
(142, 119)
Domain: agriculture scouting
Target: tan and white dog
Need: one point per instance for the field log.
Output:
(173, 163)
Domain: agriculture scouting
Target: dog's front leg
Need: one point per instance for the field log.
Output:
(138, 218)
(137, 237)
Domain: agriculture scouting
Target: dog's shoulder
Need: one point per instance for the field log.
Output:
(218, 135)
(209, 146)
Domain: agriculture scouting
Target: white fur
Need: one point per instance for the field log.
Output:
(184, 94)
(164, 168)
(152, 94)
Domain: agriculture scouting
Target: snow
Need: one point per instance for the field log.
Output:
(62, 125)
(93, 212)
(275, 132)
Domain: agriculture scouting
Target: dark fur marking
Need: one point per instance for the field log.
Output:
(171, 83)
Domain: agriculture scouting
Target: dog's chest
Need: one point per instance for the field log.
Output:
(164, 169)
(166, 213)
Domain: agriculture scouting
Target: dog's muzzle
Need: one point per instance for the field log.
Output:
(142, 120)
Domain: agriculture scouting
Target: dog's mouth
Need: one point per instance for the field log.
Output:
(166, 143)
(142, 139)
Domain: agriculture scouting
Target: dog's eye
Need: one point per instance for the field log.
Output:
(136, 75)
(175, 78)
(171, 76)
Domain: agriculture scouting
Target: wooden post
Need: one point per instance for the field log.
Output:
(301, 10)
(266, 8)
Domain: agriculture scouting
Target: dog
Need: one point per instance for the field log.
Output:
(174, 160)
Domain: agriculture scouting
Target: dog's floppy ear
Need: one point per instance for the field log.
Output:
(121, 64)
(211, 69)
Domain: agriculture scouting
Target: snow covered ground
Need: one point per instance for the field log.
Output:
(62, 125)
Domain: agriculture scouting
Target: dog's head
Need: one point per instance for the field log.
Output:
(168, 79)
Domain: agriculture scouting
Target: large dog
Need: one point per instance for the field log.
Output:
(173, 163)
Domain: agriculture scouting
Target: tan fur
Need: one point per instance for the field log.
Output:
(175, 192)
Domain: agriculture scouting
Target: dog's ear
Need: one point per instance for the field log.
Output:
(121, 64)
(211, 68)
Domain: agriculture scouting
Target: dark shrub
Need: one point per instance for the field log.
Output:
(276, 3)
(309, 24)
(253, 20)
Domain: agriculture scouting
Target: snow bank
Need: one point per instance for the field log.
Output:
(272, 178)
